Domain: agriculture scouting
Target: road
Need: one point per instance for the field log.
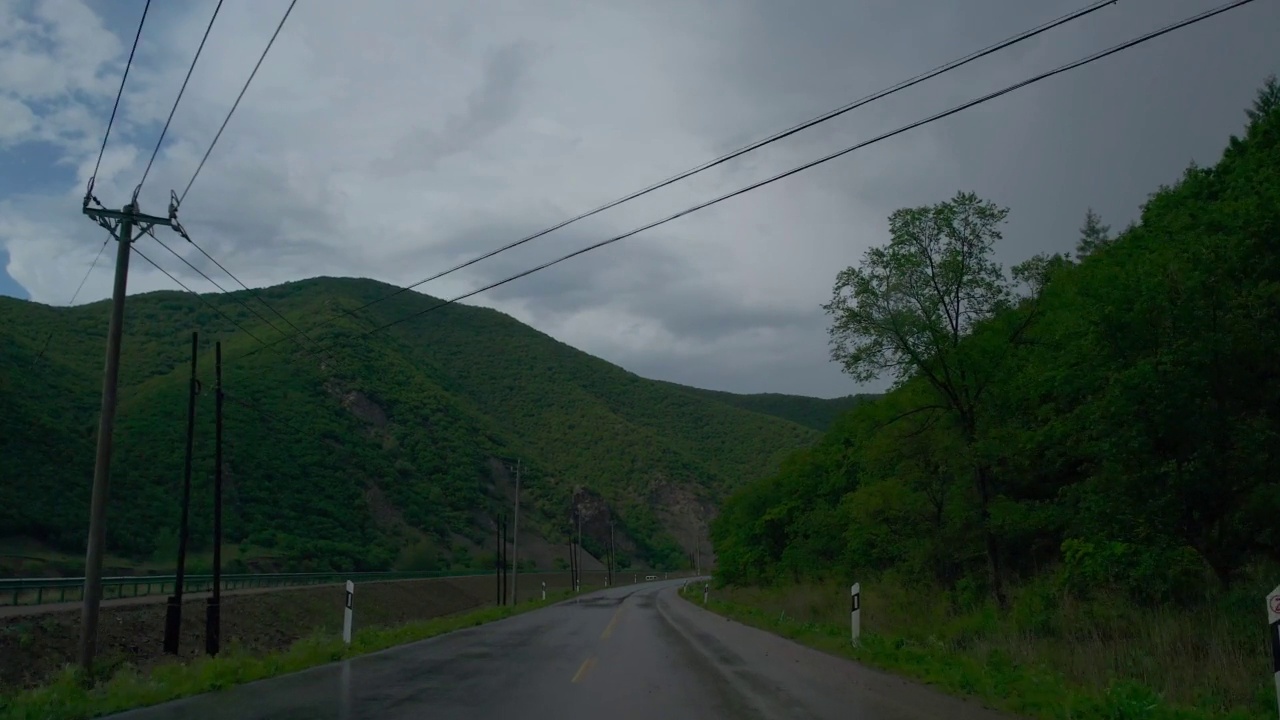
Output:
(628, 652)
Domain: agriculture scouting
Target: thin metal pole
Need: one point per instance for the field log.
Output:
(213, 614)
(173, 617)
(515, 539)
(102, 459)
(573, 546)
(608, 557)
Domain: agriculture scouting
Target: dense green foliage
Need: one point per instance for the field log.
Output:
(346, 451)
(817, 413)
(1103, 424)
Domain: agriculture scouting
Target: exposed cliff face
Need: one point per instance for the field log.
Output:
(688, 515)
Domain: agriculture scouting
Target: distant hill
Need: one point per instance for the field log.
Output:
(377, 451)
(816, 413)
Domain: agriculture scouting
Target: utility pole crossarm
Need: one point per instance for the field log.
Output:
(117, 215)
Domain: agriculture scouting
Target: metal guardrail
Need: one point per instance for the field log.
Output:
(44, 591)
(41, 591)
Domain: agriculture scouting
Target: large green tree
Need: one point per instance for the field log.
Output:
(908, 309)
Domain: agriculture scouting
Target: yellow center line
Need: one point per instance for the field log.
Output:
(586, 668)
(590, 662)
(617, 615)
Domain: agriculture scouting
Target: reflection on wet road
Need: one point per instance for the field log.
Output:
(630, 652)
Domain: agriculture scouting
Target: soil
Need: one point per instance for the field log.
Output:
(37, 644)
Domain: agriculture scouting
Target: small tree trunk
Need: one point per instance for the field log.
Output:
(993, 546)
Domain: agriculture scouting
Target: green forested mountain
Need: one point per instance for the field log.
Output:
(816, 413)
(342, 449)
(1104, 425)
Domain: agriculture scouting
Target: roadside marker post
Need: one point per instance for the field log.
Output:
(544, 589)
(1273, 619)
(345, 690)
(855, 611)
(706, 588)
(346, 613)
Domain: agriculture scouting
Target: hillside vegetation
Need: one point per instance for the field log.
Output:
(1075, 475)
(816, 413)
(361, 452)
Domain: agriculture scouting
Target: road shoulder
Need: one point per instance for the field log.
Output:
(825, 684)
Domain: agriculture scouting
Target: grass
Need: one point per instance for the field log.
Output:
(1049, 657)
(69, 697)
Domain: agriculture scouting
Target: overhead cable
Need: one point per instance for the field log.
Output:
(933, 118)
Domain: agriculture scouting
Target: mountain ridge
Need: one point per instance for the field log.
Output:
(381, 454)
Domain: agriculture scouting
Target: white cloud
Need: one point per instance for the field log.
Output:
(16, 121)
(393, 138)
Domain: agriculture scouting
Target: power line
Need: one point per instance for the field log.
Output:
(933, 118)
(178, 99)
(75, 295)
(89, 272)
(297, 330)
(202, 298)
(119, 93)
(226, 292)
(284, 336)
(213, 282)
(236, 104)
(195, 269)
(903, 85)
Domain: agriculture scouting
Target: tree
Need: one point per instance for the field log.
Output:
(1093, 235)
(909, 305)
(1267, 101)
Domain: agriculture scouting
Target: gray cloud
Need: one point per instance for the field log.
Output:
(639, 278)
(487, 109)
(397, 139)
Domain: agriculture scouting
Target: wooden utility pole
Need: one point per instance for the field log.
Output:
(121, 224)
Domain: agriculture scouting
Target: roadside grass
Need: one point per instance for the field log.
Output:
(69, 697)
(1099, 660)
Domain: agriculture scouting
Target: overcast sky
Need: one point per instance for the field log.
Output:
(393, 138)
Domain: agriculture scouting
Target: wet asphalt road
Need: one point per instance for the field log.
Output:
(628, 652)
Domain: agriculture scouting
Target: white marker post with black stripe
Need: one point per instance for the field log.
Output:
(855, 611)
(346, 613)
(1273, 618)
